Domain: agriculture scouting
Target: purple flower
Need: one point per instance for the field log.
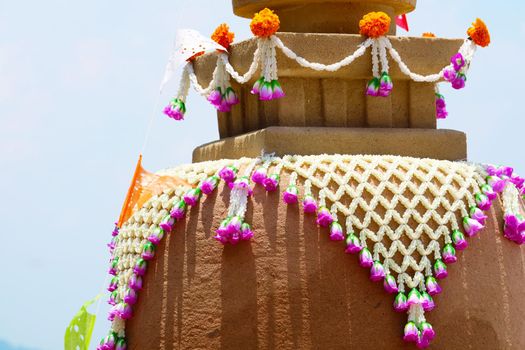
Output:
(124, 311)
(449, 254)
(112, 245)
(176, 109)
(517, 181)
(336, 232)
(113, 312)
(224, 107)
(271, 182)
(140, 267)
(365, 258)
(385, 85)
(459, 82)
(246, 232)
(457, 61)
(131, 296)
(222, 232)
(414, 297)
(121, 344)
(113, 284)
(440, 269)
(192, 196)
(113, 298)
(433, 287)
(514, 228)
(372, 88)
(309, 204)
(277, 90)
(209, 185)
(259, 175)
(458, 239)
(497, 184)
(449, 75)
(505, 171)
(440, 101)
(113, 266)
(290, 195)
(109, 341)
(441, 114)
(489, 192)
(230, 97)
(478, 215)
(482, 201)
(179, 210)
(228, 174)
(427, 332)
(411, 333)
(377, 272)
(256, 89)
(472, 227)
(390, 284)
(352, 244)
(215, 97)
(115, 231)
(135, 282)
(158, 234)
(324, 217)
(400, 302)
(427, 302)
(266, 92)
(422, 343)
(234, 225)
(148, 251)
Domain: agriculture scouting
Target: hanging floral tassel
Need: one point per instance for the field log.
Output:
(291, 194)
(441, 106)
(176, 109)
(265, 24)
(309, 203)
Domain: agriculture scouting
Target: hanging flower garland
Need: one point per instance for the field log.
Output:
(264, 26)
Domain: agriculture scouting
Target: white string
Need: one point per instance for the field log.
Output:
(151, 119)
(242, 79)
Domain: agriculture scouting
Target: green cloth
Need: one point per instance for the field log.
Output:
(78, 333)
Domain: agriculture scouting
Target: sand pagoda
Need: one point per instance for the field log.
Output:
(332, 213)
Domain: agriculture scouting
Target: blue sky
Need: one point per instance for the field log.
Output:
(78, 80)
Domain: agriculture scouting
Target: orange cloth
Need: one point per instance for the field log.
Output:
(145, 185)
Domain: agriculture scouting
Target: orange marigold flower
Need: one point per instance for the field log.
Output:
(428, 35)
(223, 36)
(374, 24)
(479, 33)
(265, 23)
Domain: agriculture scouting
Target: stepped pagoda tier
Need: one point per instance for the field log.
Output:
(331, 213)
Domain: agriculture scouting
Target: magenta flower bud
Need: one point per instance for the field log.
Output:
(472, 227)
(192, 196)
(427, 332)
(266, 92)
(277, 90)
(353, 245)
(179, 210)
(336, 232)
(372, 88)
(497, 184)
(112, 244)
(504, 172)
(140, 267)
(113, 312)
(458, 238)
(271, 182)
(390, 284)
(131, 296)
(441, 113)
(440, 269)
(414, 297)
(433, 287)
(234, 225)
(514, 228)
(290, 195)
(427, 302)
(411, 333)
(449, 75)
(517, 181)
(259, 175)
(309, 204)
(124, 311)
(228, 174)
(135, 282)
(224, 107)
(113, 284)
(158, 233)
(440, 101)
(377, 272)
(457, 61)
(365, 258)
(385, 85)
(489, 192)
(113, 298)
(114, 266)
(422, 343)
(231, 97)
(482, 201)
(209, 185)
(222, 232)
(459, 82)
(246, 232)
(215, 97)
(176, 109)
(256, 89)
(478, 215)
(400, 302)
(109, 341)
(115, 231)
(449, 254)
(148, 251)
(324, 217)
(121, 344)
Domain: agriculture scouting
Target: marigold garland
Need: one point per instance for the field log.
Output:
(374, 24)
(265, 23)
(479, 33)
(223, 36)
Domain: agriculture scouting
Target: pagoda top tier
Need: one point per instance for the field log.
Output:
(321, 16)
